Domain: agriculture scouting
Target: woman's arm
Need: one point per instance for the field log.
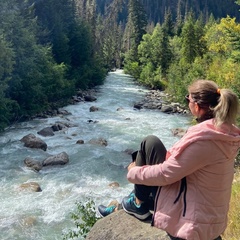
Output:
(195, 156)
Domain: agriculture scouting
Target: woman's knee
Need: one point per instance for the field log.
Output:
(151, 142)
(153, 150)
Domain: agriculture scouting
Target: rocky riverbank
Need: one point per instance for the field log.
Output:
(155, 99)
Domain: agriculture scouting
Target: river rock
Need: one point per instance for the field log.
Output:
(59, 159)
(92, 121)
(31, 186)
(29, 221)
(58, 126)
(33, 164)
(155, 99)
(63, 111)
(89, 98)
(167, 109)
(179, 132)
(120, 225)
(138, 105)
(99, 141)
(46, 132)
(32, 141)
(114, 185)
(80, 141)
(93, 109)
(63, 125)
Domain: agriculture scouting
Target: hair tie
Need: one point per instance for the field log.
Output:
(219, 91)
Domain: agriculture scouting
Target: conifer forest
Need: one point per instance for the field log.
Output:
(51, 48)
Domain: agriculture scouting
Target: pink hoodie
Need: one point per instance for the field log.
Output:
(205, 156)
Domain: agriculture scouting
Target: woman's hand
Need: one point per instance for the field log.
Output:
(131, 165)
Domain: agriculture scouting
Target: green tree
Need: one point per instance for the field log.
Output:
(164, 48)
(72, 38)
(6, 68)
(56, 17)
(168, 23)
(201, 47)
(136, 26)
(35, 80)
(154, 57)
(188, 36)
(138, 20)
(145, 49)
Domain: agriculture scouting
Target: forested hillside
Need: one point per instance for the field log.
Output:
(155, 9)
(51, 48)
(47, 52)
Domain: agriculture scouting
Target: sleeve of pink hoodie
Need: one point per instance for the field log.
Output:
(195, 156)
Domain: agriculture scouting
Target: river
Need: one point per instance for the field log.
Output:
(46, 215)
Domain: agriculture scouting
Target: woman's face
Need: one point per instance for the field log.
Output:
(193, 106)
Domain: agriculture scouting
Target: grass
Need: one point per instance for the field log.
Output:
(233, 229)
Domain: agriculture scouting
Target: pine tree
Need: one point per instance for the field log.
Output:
(137, 22)
(6, 68)
(189, 46)
(168, 23)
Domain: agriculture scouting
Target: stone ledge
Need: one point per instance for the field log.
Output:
(122, 226)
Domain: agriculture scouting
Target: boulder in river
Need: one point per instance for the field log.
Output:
(31, 186)
(179, 132)
(99, 141)
(59, 159)
(80, 141)
(32, 141)
(33, 164)
(46, 132)
(93, 109)
(89, 98)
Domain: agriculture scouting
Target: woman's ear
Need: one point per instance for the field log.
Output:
(199, 111)
(197, 108)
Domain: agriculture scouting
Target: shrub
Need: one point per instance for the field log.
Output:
(84, 218)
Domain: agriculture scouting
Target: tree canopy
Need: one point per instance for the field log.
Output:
(49, 49)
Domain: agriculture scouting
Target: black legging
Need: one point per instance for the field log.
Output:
(152, 151)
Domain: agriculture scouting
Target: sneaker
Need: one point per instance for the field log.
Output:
(139, 211)
(104, 211)
(132, 194)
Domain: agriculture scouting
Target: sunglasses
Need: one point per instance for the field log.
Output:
(188, 99)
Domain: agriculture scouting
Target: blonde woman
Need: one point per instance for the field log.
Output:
(191, 182)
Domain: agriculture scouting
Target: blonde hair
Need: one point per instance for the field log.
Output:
(220, 104)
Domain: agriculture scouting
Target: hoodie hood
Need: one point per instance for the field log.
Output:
(208, 131)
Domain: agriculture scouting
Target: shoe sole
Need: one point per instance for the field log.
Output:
(100, 214)
(139, 216)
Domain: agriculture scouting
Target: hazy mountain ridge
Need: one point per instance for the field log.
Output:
(155, 9)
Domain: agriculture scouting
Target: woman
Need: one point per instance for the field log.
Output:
(191, 182)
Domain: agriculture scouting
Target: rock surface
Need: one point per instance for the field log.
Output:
(99, 141)
(59, 159)
(122, 226)
(45, 132)
(31, 186)
(32, 141)
(33, 164)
